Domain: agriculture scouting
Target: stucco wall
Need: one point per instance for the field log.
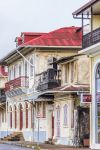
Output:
(66, 131)
(83, 70)
(96, 21)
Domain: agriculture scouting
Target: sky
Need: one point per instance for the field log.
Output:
(18, 16)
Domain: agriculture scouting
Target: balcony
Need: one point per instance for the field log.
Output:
(17, 82)
(91, 38)
(49, 80)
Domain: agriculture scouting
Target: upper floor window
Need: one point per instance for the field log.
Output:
(98, 78)
(65, 109)
(38, 108)
(26, 69)
(44, 109)
(11, 73)
(72, 71)
(66, 73)
(20, 69)
(15, 71)
(31, 68)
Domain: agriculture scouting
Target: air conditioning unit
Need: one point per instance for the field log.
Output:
(52, 63)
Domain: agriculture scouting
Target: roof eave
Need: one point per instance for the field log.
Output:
(84, 7)
(39, 46)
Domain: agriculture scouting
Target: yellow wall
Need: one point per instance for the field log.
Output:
(96, 21)
(81, 71)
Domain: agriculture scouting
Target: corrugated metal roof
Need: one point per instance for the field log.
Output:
(68, 36)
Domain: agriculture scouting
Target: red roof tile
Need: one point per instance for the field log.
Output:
(68, 36)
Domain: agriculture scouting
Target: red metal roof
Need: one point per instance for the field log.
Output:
(32, 33)
(68, 36)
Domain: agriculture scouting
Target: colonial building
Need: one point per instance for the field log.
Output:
(69, 123)
(3, 122)
(30, 75)
(91, 47)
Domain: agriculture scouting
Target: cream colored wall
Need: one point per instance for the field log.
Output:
(42, 58)
(96, 21)
(81, 71)
(3, 80)
(66, 131)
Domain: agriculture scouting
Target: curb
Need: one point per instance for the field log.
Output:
(22, 145)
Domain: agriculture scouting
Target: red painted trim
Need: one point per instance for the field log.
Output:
(21, 118)
(26, 115)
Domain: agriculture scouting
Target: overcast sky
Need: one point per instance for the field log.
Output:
(18, 16)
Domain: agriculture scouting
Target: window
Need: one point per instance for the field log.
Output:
(20, 69)
(65, 113)
(72, 71)
(15, 71)
(66, 73)
(38, 108)
(98, 104)
(26, 115)
(9, 74)
(10, 117)
(31, 68)
(25, 68)
(3, 116)
(44, 109)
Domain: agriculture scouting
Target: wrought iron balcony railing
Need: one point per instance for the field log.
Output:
(49, 79)
(17, 82)
(91, 38)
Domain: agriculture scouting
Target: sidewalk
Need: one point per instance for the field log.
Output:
(42, 146)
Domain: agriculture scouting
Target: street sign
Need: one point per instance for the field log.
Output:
(86, 98)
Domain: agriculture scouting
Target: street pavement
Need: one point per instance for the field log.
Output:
(12, 147)
(43, 147)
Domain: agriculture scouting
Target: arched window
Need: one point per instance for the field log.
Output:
(58, 121)
(31, 68)
(15, 116)
(21, 116)
(10, 117)
(65, 109)
(26, 115)
(97, 103)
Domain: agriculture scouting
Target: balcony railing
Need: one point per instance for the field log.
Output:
(48, 80)
(91, 38)
(17, 82)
